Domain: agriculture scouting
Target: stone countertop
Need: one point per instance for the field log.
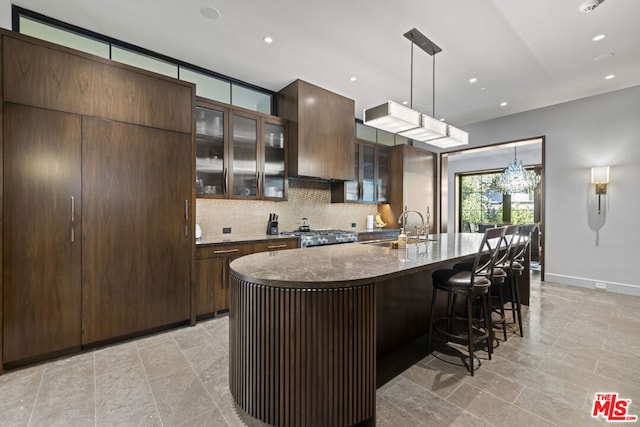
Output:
(237, 238)
(352, 264)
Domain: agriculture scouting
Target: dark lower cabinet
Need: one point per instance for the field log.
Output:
(212, 271)
(41, 232)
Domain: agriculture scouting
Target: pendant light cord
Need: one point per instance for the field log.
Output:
(411, 87)
(433, 107)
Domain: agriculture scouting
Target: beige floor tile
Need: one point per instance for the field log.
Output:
(117, 357)
(422, 404)
(162, 358)
(21, 386)
(16, 413)
(545, 406)
(146, 416)
(212, 418)
(209, 361)
(180, 396)
(122, 392)
(388, 415)
(192, 337)
(79, 414)
(65, 387)
(492, 409)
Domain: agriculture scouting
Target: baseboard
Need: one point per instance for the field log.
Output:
(615, 287)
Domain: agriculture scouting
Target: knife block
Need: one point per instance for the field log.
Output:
(272, 228)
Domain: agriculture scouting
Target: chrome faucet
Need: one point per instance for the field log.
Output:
(403, 218)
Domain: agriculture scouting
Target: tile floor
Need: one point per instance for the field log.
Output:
(577, 342)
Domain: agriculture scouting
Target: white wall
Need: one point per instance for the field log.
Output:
(5, 14)
(583, 247)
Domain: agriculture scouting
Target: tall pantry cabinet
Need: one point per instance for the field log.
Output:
(97, 200)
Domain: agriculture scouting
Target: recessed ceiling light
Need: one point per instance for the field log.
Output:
(503, 104)
(609, 77)
(483, 88)
(599, 37)
(442, 119)
(590, 5)
(603, 57)
(268, 39)
(353, 79)
(210, 12)
(405, 102)
(473, 80)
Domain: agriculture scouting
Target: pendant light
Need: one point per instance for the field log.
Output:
(398, 119)
(516, 179)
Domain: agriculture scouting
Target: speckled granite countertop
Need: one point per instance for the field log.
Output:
(218, 240)
(351, 264)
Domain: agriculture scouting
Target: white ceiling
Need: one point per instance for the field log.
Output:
(528, 53)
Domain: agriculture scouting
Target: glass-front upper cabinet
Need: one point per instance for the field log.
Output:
(210, 152)
(371, 172)
(244, 149)
(274, 172)
(239, 153)
(368, 173)
(352, 188)
(383, 175)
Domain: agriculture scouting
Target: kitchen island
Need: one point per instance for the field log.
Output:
(306, 325)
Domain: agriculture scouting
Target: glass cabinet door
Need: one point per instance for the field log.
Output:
(352, 187)
(368, 173)
(244, 166)
(210, 169)
(274, 152)
(383, 175)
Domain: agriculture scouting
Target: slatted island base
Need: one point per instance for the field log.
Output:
(306, 325)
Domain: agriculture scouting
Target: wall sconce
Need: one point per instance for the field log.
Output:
(600, 177)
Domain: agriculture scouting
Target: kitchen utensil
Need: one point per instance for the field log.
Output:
(304, 226)
(272, 225)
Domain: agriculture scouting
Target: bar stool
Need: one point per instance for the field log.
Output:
(514, 269)
(499, 276)
(473, 285)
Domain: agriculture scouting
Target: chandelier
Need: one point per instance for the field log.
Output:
(516, 179)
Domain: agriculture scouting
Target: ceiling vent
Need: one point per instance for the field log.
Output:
(590, 5)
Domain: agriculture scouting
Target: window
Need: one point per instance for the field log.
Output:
(208, 83)
(482, 203)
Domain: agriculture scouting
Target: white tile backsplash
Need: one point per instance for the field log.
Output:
(308, 199)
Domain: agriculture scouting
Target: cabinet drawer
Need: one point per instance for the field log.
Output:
(276, 245)
(223, 251)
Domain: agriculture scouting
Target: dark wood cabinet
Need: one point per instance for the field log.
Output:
(240, 154)
(412, 184)
(97, 212)
(136, 237)
(212, 271)
(371, 170)
(41, 232)
(321, 131)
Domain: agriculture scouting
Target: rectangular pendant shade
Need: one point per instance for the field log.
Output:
(454, 137)
(429, 129)
(392, 117)
(398, 119)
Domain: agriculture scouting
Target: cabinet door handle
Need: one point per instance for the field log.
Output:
(276, 247)
(73, 219)
(227, 251)
(257, 184)
(224, 181)
(186, 218)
